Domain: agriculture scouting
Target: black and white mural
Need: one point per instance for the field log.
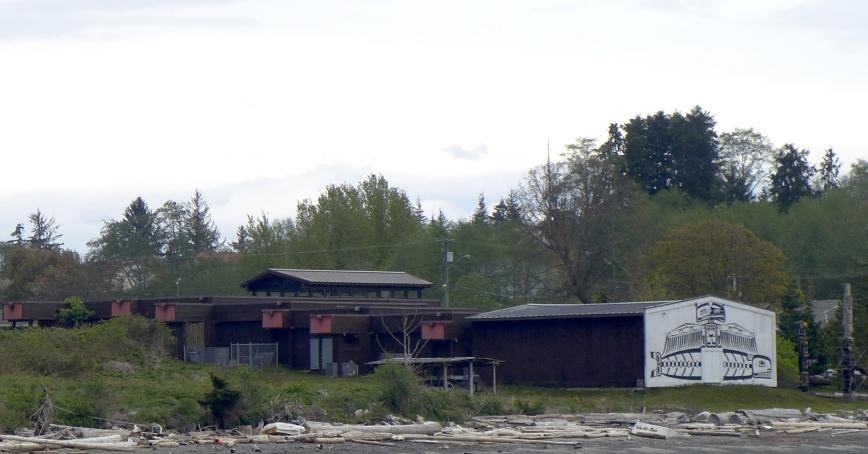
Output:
(709, 340)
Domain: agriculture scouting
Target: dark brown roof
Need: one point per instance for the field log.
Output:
(344, 277)
(546, 311)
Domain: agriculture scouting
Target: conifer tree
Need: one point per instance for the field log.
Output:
(791, 179)
(201, 231)
(17, 236)
(43, 232)
(829, 169)
(480, 215)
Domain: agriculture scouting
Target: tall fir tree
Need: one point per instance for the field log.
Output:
(499, 214)
(791, 179)
(17, 236)
(829, 169)
(612, 150)
(43, 232)
(647, 152)
(677, 151)
(201, 231)
(695, 154)
(480, 215)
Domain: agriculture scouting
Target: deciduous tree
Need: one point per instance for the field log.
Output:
(716, 257)
(746, 159)
(568, 206)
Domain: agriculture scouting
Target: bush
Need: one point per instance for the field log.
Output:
(400, 388)
(75, 352)
(788, 364)
(222, 401)
(529, 407)
(76, 314)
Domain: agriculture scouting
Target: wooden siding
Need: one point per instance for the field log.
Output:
(576, 352)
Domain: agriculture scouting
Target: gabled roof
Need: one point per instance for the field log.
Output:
(548, 311)
(345, 277)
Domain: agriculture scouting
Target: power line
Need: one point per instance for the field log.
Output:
(278, 253)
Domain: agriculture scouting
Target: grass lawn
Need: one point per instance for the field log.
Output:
(118, 370)
(170, 393)
(688, 398)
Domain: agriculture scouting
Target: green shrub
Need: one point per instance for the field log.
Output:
(788, 364)
(76, 314)
(222, 402)
(399, 388)
(75, 352)
(529, 407)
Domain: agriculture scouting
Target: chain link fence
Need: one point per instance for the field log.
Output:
(257, 356)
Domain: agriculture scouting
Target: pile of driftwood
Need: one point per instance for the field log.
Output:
(553, 429)
(742, 423)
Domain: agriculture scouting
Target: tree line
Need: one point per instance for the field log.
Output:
(665, 207)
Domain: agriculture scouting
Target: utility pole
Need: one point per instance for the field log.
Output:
(848, 361)
(447, 259)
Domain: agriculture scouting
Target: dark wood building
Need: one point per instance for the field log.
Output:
(565, 345)
(335, 283)
(317, 319)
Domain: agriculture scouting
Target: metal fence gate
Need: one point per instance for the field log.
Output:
(256, 356)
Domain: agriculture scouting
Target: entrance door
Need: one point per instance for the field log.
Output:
(321, 353)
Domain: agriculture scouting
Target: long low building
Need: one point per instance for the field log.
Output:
(321, 320)
(334, 321)
(637, 344)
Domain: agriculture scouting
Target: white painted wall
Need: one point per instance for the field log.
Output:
(732, 346)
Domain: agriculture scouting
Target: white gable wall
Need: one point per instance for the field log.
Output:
(709, 340)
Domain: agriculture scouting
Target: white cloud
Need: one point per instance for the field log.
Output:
(458, 152)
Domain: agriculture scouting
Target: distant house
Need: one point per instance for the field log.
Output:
(336, 283)
(824, 310)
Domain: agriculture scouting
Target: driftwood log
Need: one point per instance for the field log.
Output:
(483, 439)
(89, 432)
(429, 428)
(818, 425)
(76, 444)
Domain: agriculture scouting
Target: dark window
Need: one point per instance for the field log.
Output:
(351, 340)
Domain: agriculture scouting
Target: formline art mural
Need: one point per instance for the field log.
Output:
(709, 349)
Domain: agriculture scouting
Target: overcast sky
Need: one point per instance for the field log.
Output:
(262, 103)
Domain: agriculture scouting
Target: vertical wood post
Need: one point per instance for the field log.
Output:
(470, 379)
(847, 312)
(848, 361)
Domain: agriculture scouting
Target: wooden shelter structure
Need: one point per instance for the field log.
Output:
(436, 371)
